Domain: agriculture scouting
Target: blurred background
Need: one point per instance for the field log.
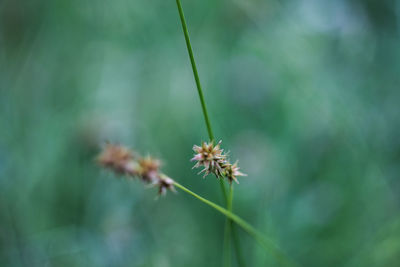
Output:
(304, 93)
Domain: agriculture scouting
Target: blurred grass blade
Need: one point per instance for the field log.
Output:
(264, 242)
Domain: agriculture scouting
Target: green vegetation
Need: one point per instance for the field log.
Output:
(304, 93)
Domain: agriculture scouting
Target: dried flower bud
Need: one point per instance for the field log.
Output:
(210, 157)
(149, 168)
(117, 158)
(165, 183)
(232, 171)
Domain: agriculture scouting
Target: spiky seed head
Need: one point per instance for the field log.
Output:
(118, 158)
(232, 171)
(210, 157)
(122, 161)
(149, 168)
(164, 184)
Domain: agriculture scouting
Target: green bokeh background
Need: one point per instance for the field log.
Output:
(304, 93)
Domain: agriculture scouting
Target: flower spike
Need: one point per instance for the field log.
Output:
(232, 171)
(210, 157)
(121, 160)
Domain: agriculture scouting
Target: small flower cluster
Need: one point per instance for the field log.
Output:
(121, 160)
(212, 158)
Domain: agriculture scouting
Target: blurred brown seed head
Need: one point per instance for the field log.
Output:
(164, 184)
(149, 168)
(122, 161)
(118, 158)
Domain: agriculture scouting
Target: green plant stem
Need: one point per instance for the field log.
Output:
(195, 73)
(227, 257)
(264, 242)
(235, 237)
(236, 245)
(204, 108)
(228, 231)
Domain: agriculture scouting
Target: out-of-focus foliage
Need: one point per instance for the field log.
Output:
(304, 92)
